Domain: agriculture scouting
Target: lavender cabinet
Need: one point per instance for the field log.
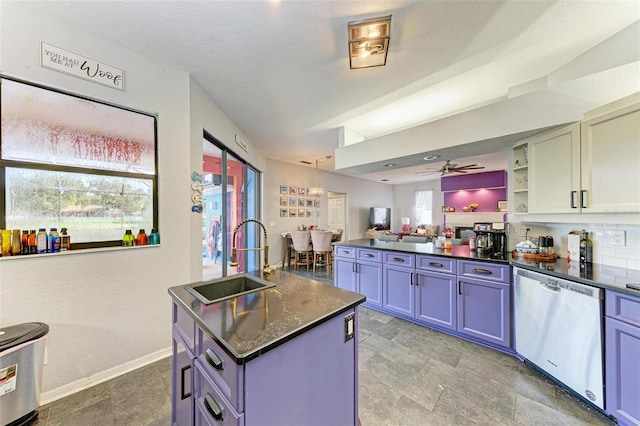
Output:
(622, 352)
(359, 270)
(309, 380)
(436, 291)
(398, 283)
(182, 366)
(484, 302)
(436, 299)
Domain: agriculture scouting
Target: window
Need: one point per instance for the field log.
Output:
(75, 163)
(424, 207)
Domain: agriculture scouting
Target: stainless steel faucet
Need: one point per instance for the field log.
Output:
(266, 269)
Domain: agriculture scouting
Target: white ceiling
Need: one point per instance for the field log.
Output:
(280, 71)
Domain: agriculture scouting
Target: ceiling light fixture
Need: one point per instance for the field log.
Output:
(369, 42)
(431, 157)
(318, 190)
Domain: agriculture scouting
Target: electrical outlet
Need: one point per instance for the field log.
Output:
(615, 238)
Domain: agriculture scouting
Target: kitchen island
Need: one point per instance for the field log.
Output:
(277, 356)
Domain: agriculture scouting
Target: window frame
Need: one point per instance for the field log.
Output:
(4, 164)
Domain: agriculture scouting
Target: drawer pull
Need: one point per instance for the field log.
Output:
(182, 386)
(345, 252)
(368, 255)
(213, 360)
(436, 264)
(398, 259)
(482, 271)
(212, 407)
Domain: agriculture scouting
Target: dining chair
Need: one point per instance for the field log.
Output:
(303, 250)
(322, 249)
(338, 237)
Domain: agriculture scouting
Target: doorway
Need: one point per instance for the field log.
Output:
(337, 212)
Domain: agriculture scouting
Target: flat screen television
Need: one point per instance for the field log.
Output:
(380, 218)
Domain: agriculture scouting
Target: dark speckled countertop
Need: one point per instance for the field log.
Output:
(602, 276)
(249, 325)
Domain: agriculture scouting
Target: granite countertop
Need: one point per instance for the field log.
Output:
(459, 252)
(250, 325)
(601, 276)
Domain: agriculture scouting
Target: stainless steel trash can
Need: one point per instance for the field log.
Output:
(21, 360)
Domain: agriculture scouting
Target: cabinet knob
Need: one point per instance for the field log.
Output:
(213, 359)
(212, 407)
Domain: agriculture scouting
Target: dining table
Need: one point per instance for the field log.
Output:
(286, 242)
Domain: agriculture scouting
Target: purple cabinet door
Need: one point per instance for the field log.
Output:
(344, 274)
(398, 290)
(369, 278)
(436, 299)
(182, 389)
(622, 349)
(484, 310)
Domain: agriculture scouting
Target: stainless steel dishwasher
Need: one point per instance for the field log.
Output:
(559, 329)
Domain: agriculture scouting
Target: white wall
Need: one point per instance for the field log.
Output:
(361, 194)
(404, 202)
(109, 311)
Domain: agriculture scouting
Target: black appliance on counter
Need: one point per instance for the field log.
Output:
(491, 240)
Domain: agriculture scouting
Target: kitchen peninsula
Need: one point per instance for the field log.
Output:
(282, 355)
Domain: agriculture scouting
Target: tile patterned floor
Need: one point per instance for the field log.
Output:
(409, 375)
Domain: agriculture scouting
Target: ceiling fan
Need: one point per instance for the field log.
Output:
(448, 168)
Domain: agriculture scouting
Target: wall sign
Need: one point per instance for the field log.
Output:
(58, 59)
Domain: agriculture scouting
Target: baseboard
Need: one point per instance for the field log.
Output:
(103, 376)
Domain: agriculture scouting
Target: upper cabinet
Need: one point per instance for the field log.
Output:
(587, 167)
(555, 171)
(610, 154)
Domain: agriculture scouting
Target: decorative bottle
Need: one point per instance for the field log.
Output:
(65, 240)
(154, 237)
(586, 250)
(41, 241)
(33, 242)
(142, 239)
(128, 238)
(54, 241)
(25, 243)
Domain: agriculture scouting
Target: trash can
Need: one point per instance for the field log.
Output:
(21, 361)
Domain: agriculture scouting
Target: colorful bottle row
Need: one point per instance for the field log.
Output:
(29, 242)
(142, 239)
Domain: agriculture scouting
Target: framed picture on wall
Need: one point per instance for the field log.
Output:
(316, 204)
(300, 202)
(293, 190)
(309, 213)
(293, 201)
(284, 201)
(300, 212)
(309, 203)
(502, 206)
(302, 191)
(292, 212)
(284, 189)
(284, 213)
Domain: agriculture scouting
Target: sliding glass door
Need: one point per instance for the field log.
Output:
(231, 195)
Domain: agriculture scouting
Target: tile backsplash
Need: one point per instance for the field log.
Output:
(606, 251)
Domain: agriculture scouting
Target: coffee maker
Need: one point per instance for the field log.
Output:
(491, 240)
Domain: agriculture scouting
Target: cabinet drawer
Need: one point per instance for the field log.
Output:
(185, 326)
(222, 370)
(623, 307)
(369, 255)
(484, 271)
(348, 252)
(211, 407)
(436, 264)
(400, 259)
